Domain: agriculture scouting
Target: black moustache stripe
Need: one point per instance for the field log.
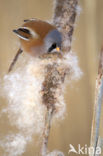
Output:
(24, 30)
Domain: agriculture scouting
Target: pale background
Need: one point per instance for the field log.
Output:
(75, 128)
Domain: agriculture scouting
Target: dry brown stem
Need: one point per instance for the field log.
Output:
(97, 105)
(54, 78)
(65, 12)
(46, 132)
(63, 18)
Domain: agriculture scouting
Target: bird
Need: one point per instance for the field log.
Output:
(36, 38)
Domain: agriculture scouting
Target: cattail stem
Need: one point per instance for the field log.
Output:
(97, 106)
(54, 79)
(65, 12)
(48, 118)
(64, 19)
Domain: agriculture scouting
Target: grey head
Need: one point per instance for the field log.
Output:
(53, 40)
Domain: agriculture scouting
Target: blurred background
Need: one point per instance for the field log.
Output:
(87, 41)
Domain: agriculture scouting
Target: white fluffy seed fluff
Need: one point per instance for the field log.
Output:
(55, 153)
(23, 88)
(14, 144)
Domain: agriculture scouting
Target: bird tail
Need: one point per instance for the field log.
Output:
(14, 60)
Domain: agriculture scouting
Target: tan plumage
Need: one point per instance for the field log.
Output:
(37, 37)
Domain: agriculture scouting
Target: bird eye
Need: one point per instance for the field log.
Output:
(52, 47)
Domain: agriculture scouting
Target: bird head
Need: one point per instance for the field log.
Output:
(38, 37)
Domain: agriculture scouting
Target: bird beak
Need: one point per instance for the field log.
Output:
(58, 49)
